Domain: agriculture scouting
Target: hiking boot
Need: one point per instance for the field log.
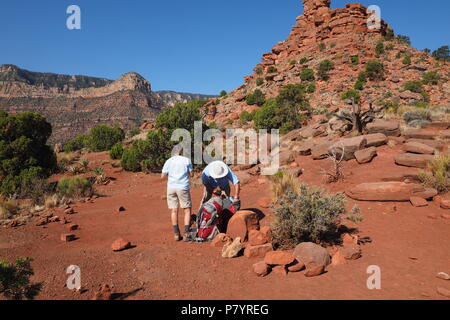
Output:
(177, 237)
(186, 238)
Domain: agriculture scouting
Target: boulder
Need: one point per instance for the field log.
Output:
(365, 155)
(258, 251)
(303, 148)
(347, 147)
(232, 250)
(220, 240)
(351, 253)
(261, 269)
(280, 270)
(413, 160)
(385, 191)
(68, 237)
(256, 238)
(311, 254)
(418, 202)
(417, 147)
(296, 267)
(120, 244)
(320, 151)
(419, 134)
(435, 144)
(286, 157)
(278, 258)
(444, 134)
(402, 173)
(314, 270)
(428, 193)
(267, 232)
(241, 223)
(388, 128)
(376, 139)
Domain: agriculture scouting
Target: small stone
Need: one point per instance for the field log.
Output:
(69, 211)
(104, 293)
(445, 216)
(297, 267)
(256, 238)
(437, 200)
(120, 244)
(280, 270)
(443, 292)
(220, 240)
(278, 258)
(261, 269)
(443, 276)
(68, 237)
(267, 232)
(73, 227)
(314, 271)
(232, 250)
(121, 209)
(257, 251)
(445, 204)
(418, 202)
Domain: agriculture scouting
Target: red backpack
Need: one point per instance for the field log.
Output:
(207, 222)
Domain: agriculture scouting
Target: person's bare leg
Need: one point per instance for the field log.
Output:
(187, 223)
(176, 229)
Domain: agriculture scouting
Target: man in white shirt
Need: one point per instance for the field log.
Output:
(178, 169)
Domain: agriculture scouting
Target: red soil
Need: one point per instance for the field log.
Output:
(408, 246)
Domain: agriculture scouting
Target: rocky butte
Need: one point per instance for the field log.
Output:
(348, 38)
(74, 104)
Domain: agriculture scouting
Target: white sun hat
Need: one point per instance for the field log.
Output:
(218, 169)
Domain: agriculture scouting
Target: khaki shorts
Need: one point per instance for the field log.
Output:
(179, 199)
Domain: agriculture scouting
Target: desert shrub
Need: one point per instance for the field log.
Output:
(389, 36)
(8, 208)
(417, 118)
(438, 174)
(359, 85)
(390, 47)
(181, 116)
(355, 60)
(311, 87)
(272, 69)
(403, 40)
(281, 183)
(390, 106)
(442, 53)
(36, 189)
(223, 93)
(134, 132)
(306, 215)
(379, 48)
(351, 94)
(259, 70)
(74, 188)
(431, 77)
(230, 122)
(414, 86)
(292, 62)
(259, 81)
(324, 67)
(23, 150)
(102, 138)
(322, 47)
(375, 70)
(76, 144)
(246, 117)
(131, 160)
(15, 280)
(256, 98)
(307, 75)
(116, 151)
(303, 60)
(407, 60)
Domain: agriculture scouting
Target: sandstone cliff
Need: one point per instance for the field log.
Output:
(348, 37)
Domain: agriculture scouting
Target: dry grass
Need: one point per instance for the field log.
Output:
(282, 183)
(438, 174)
(51, 201)
(8, 209)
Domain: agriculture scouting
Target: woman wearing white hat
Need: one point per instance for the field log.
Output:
(218, 174)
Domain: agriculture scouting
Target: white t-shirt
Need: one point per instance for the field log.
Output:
(177, 169)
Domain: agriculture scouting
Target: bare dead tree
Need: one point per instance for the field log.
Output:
(356, 118)
(336, 156)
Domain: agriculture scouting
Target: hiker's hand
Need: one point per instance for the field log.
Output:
(237, 204)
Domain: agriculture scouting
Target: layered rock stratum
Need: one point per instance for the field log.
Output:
(74, 104)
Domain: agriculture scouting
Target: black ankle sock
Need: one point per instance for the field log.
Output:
(187, 229)
(176, 229)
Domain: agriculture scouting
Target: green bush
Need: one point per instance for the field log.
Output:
(407, 60)
(223, 93)
(181, 116)
(442, 53)
(324, 67)
(102, 137)
(15, 280)
(259, 81)
(311, 88)
(322, 47)
(303, 60)
(272, 69)
(375, 70)
(404, 40)
(74, 187)
(438, 174)
(256, 98)
(414, 86)
(259, 70)
(431, 77)
(417, 118)
(307, 215)
(379, 48)
(131, 160)
(307, 75)
(246, 116)
(116, 151)
(134, 132)
(389, 36)
(24, 154)
(76, 144)
(355, 60)
(351, 94)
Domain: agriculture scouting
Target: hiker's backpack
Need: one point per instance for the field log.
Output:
(207, 220)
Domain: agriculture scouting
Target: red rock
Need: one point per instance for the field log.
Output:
(365, 155)
(310, 254)
(69, 211)
(419, 134)
(297, 267)
(256, 238)
(120, 245)
(435, 144)
(375, 140)
(445, 216)
(348, 146)
(220, 240)
(259, 251)
(267, 232)
(385, 191)
(68, 237)
(72, 227)
(443, 292)
(351, 253)
(280, 270)
(121, 209)
(241, 223)
(432, 216)
(278, 258)
(402, 173)
(104, 293)
(261, 269)
(445, 204)
(389, 128)
(437, 200)
(348, 240)
(315, 271)
(338, 258)
(417, 147)
(413, 160)
(418, 202)
(265, 202)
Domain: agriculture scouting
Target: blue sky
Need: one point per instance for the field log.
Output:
(200, 46)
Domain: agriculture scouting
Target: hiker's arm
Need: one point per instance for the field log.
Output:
(237, 192)
(163, 176)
